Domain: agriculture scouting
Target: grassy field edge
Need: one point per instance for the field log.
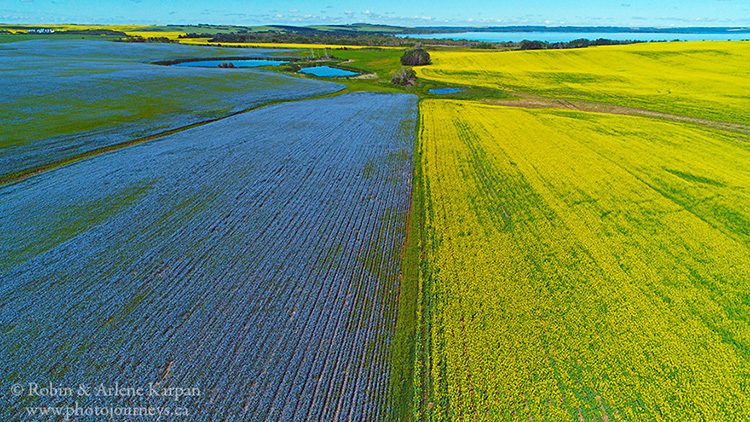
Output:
(403, 354)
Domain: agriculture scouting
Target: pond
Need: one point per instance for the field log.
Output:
(327, 71)
(235, 63)
(446, 90)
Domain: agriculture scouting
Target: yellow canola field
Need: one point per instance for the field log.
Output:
(582, 266)
(146, 31)
(172, 35)
(133, 30)
(123, 28)
(708, 80)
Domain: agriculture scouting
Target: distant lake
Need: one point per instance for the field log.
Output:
(327, 71)
(236, 63)
(570, 36)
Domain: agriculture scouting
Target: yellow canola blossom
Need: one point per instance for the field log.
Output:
(172, 35)
(708, 80)
(583, 266)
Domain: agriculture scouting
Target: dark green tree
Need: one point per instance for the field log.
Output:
(415, 57)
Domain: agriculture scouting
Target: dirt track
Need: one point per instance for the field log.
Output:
(533, 101)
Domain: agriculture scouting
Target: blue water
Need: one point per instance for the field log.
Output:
(236, 63)
(570, 36)
(446, 90)
(327, 71)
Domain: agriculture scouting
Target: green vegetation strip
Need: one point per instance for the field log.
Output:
(404, 340)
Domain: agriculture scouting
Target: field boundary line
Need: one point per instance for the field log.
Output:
(534, 101)
(404, 347)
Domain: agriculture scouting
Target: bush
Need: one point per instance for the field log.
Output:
(533, 45)
(404, 77)
(415, 57)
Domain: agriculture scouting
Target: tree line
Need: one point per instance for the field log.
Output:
(579, 43)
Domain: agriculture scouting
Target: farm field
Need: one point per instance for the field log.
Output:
(556, 235)
(73, 27)
(145, 31)
(66, 97)
(171, 32)
(706, 80)
(261, 266)
(581, 266)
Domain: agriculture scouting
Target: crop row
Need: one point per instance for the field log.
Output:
(255, 258)
(582, 266)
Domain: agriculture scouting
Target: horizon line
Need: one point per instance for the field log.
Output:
(639, 27)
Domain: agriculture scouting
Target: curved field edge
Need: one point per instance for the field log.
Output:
(581, 266)
(32, 171)
(65, 98)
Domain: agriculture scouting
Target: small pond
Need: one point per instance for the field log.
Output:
(327, 71)
(446, 90)
(235, 63)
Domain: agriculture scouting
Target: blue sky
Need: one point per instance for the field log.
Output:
(394, 12)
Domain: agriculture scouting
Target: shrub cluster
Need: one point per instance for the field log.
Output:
(404, 77)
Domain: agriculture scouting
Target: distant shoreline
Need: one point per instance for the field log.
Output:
(594, 29)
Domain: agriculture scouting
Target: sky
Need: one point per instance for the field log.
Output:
(634, 13)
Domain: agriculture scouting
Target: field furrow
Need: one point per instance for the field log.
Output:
(583, 266)
(256, 258)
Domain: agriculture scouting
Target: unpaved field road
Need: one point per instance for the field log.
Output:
(535, 101)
